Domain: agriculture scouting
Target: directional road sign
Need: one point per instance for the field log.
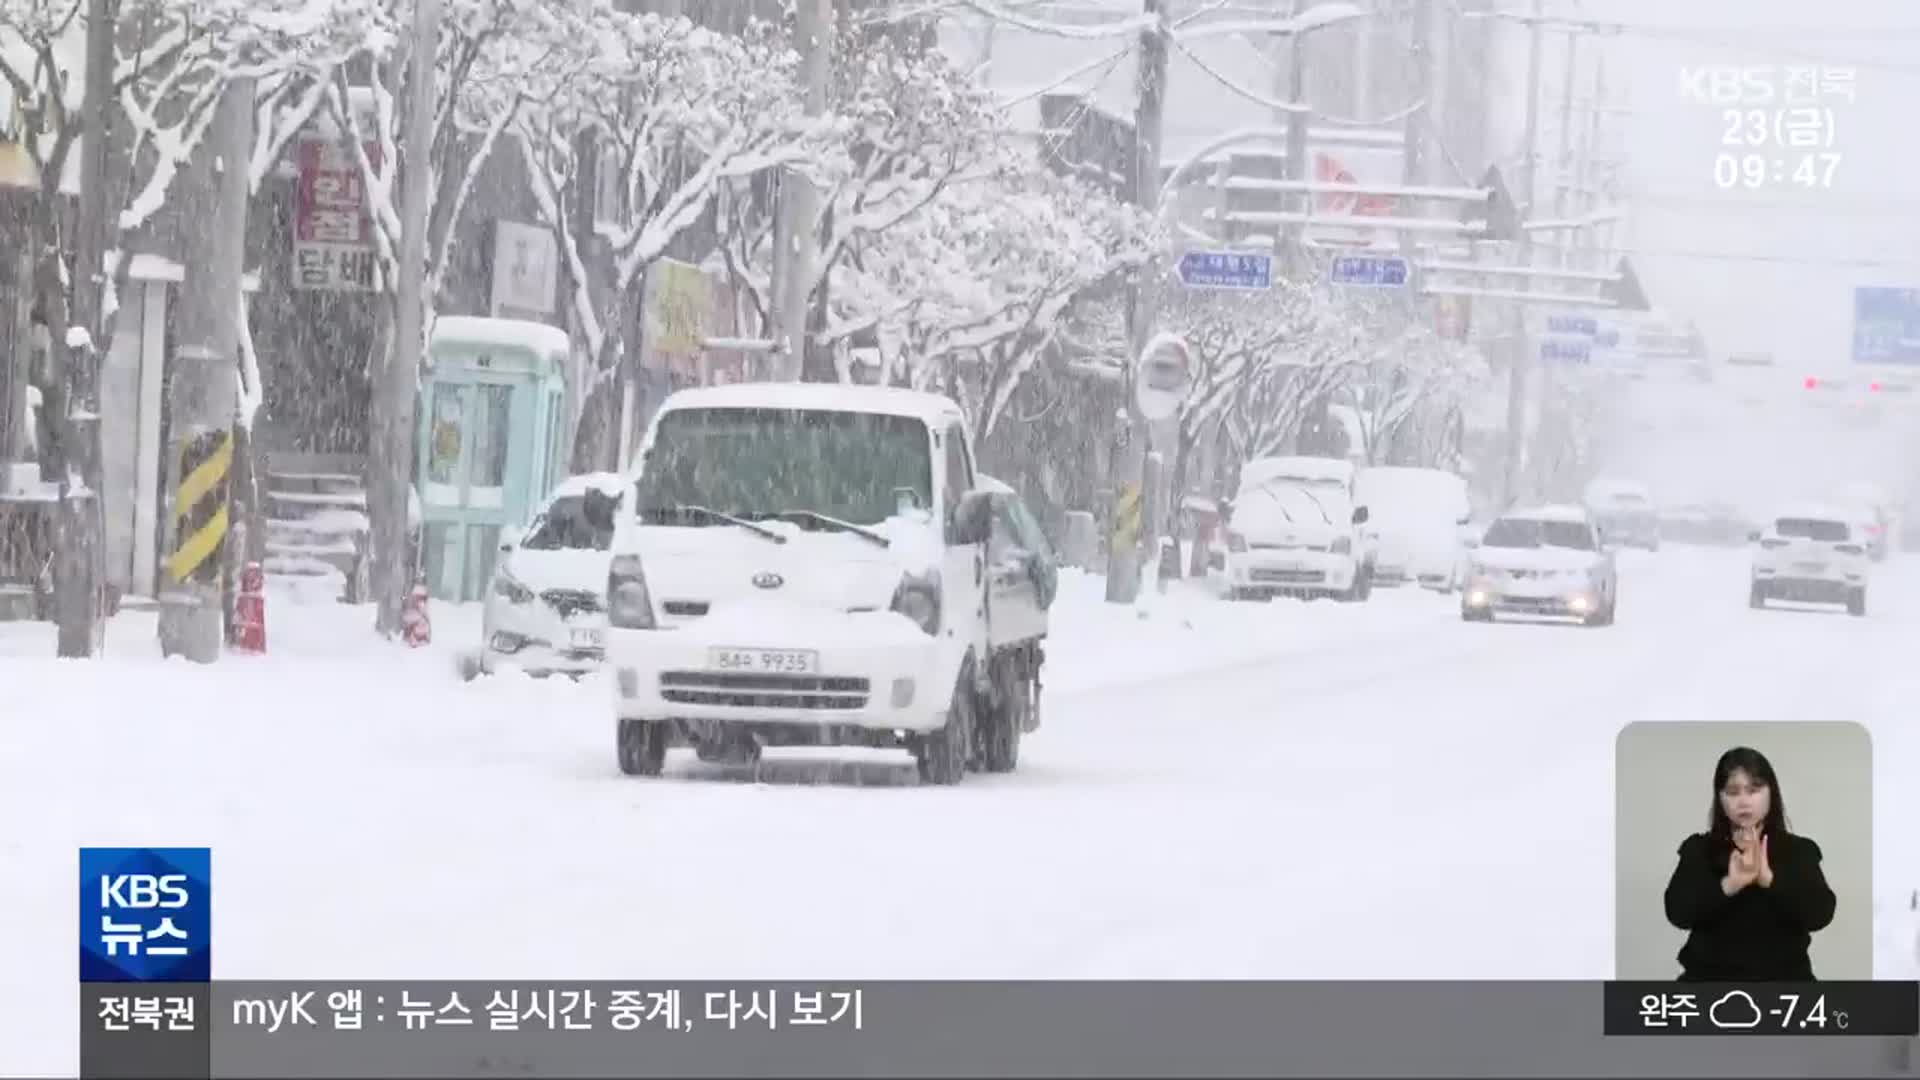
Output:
(1375, 271)
(1226, 270)
(1886, 326)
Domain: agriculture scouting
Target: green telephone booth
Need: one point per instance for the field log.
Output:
(492, 441)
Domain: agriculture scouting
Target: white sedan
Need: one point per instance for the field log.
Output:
(546, 612)
(1544, 562)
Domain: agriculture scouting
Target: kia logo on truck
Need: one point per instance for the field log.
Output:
(767, 579)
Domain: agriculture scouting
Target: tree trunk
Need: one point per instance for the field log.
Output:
(1177, 488)
(387, 477)
(77, 600)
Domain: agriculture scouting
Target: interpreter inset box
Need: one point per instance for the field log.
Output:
(1743, 851)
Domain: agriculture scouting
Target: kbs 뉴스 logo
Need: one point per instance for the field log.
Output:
(145, 915)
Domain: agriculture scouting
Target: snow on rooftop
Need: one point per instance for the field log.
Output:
(539, 338)
(1549, 512)
(604, 482)
(933, 409)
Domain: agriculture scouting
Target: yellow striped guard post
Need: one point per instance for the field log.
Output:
(200, 514)
(1126, 518)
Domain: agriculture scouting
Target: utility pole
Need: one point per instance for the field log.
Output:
(796, 257)
(202, 398)
(80, 555)
(1130, 459)
(1589, 154)
(1297, 122)
(1519, 359)
(1566, 177)
(390, 471)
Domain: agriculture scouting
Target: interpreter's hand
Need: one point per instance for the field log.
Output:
(1763, 869)
(1743, 865)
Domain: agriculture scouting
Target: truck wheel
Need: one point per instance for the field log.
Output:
(1757, 596)
(1360, 589)
(642, 747)
(1856, 601)
(1005, 719)
(942, 755)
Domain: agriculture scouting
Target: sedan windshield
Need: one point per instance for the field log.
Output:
(568, 525)
(1536, 533)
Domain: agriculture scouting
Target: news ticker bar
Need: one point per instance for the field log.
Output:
(1034, 1029)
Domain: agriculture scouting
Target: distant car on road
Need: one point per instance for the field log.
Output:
(1417, 525)
(1813, 555)
(1870, 508)
(1547, 562)
(1625, 514)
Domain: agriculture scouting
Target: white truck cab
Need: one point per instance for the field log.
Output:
(805, 565)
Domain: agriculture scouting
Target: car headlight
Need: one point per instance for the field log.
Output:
(1342, 545)
(1236, 542)
(629, 606)
(509, 588)
(918, 598)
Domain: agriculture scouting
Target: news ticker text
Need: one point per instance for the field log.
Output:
(420, 1028)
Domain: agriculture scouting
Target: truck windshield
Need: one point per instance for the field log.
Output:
(759, 463)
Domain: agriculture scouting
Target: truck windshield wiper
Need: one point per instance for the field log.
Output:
(1317, 504)
(711, 515)
(818, 518)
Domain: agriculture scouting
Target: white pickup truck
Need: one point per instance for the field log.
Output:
(808, 565)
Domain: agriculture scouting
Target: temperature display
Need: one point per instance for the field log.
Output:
(1827, 1008)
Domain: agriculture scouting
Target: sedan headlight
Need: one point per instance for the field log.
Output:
(509, 588)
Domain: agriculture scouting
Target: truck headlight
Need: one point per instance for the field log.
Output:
(918, 598)
(1236, 542)
(1343, 545)
(629, 606)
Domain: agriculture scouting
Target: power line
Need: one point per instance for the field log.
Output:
(1862, 263)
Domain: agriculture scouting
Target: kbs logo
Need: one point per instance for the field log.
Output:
(144, 914)
(1725, 84)
(144, 891)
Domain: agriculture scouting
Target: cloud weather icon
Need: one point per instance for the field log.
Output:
(1735, 1010)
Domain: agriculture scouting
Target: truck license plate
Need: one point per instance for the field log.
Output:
(589, 639)
(1810, 567)
(766, 661)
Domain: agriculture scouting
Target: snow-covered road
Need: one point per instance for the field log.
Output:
(1279, 791)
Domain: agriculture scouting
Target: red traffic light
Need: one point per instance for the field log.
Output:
(1813, 383)
(1875, 387)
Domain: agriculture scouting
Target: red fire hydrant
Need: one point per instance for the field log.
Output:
(250, 612)
(414, 624)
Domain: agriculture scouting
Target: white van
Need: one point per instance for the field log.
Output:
(1293, 529)
(806, 565)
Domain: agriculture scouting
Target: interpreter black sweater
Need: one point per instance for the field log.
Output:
(1755, 935)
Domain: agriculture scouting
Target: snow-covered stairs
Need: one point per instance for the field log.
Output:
(317, 526)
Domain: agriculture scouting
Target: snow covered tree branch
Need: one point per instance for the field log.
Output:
(667, 115)
(491, 53)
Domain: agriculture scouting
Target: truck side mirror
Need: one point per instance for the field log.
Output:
(972, 520)
(1360, 515)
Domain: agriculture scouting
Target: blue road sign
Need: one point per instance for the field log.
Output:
(1573, 325)
(1226, 270)
(1378, 271)
(1566, 350)
(1886, 326)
